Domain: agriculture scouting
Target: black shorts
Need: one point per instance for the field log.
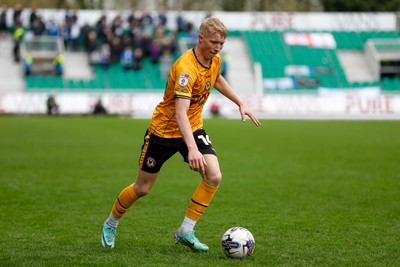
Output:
(157, 150)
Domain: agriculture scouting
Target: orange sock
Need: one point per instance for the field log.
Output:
(200, 200)
(124, 201)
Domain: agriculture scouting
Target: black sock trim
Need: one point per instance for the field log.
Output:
(205, 206)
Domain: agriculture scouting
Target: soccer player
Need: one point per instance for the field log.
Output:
(177, 126)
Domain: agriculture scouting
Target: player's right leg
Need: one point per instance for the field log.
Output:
(155, 151)
(125, 200)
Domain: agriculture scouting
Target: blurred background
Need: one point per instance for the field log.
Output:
(219, 5)
(296, 59)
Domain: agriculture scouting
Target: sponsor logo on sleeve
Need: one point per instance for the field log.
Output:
(182, 90)
(184, 79)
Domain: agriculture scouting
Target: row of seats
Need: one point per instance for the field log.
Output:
(356, 40)
(270, 50)
(390, 84)
(112, 78)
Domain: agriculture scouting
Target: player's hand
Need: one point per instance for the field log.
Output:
(197, 162)
(245, 111)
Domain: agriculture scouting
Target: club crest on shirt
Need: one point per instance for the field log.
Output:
(184, 79)
(150, 162)
(208, 85)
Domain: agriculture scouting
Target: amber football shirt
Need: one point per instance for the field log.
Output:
(188, 79)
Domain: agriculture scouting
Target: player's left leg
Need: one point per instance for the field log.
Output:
(199, 202)
(155, 151)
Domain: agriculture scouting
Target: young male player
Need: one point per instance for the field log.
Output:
(177, 126)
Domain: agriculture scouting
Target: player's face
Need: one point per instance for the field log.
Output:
(213, 44)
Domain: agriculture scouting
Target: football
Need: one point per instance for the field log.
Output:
(238, 242)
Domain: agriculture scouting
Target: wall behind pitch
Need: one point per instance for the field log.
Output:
(350, 105)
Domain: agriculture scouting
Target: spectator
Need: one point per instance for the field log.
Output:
(117, 27)
(162, 16)
(33, 16)
(58, 64)
(127, 41)
(38, 27)
(166, 60)
(158, 44)
(68, 17)
(192, 36)
(171, 42)
(3, 21)
(52, 106)
(99, 109)
(105, 56)
(53, 29)
(132, 16)
(17, 14)
(18, 36)
(135, 30)
(85, 30)
(28, 60)
(180, 22)
(215, 109)
(155, 50)
(65, 35)
(145, 43)
(116, 49)
(225, 64)
(109, 36)
(75, 34)
(146, 23)
(127, 58)
(92, 46)
(101, 27)
(138, 62)
(146, 19)
(92, 43)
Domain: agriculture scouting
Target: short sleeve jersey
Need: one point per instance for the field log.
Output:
(188, 79)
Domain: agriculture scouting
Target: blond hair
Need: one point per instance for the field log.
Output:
(211, 25)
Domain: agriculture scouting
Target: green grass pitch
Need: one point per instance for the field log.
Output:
(313, 193)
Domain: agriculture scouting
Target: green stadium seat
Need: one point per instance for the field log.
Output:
(396, 84)
(71, 84)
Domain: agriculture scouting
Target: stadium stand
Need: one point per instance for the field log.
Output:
(316, 67)
(285, 66)
(114, 78)
(307, 67)
(321, 66)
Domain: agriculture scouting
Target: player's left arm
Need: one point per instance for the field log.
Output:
(224, 88)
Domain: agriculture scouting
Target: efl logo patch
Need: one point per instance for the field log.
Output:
(150, 162)
(184, 79)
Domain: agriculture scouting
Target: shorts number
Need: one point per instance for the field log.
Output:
(205, 139)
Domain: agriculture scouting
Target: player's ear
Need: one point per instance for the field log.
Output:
(201, 37)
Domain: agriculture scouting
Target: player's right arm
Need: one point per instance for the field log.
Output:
(196, 160)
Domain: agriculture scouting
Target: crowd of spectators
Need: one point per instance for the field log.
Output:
(125, 39)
